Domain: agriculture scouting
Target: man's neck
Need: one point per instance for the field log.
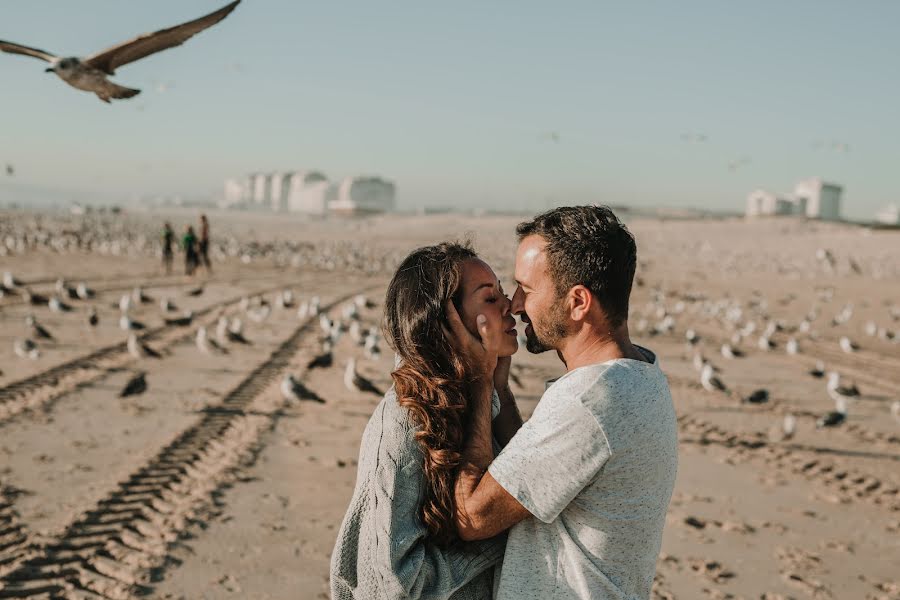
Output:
(590, 346)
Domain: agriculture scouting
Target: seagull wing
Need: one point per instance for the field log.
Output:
(150, 43)
(25, 50)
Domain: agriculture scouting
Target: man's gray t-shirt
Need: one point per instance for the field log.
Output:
(595, 465)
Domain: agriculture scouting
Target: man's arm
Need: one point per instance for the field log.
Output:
(483, 507)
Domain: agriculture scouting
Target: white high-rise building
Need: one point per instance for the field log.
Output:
(823, 200)
(278, 190)
(364, 195)
(308, 192)
(236, 192)
(889, 215)
(261, 188)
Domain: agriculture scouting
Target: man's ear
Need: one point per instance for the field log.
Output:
(580, 302)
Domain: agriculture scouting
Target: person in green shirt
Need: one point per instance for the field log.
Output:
(189, 243)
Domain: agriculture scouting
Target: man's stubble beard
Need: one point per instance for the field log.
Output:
(552, 329)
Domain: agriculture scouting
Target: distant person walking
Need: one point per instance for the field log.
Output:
(204, 244)
(168, 250)
(189, 243)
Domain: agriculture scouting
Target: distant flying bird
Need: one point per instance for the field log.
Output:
(10, 170)
(90, 74)
(136, 385)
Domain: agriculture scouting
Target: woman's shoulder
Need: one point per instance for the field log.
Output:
(393, 426)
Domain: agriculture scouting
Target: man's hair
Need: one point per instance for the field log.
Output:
(588, 245)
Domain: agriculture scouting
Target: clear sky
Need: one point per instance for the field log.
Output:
(455, 100)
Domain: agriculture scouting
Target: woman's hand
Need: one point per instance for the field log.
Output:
(501, 373)
(479, 355)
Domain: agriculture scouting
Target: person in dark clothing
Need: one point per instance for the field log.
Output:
(204, 244)
(189, 243)
(168, 243)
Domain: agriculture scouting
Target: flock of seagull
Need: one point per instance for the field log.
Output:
(228, 331)
(739, 327)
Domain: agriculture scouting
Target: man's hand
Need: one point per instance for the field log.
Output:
(479, 355)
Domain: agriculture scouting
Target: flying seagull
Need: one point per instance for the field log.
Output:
(90, 74)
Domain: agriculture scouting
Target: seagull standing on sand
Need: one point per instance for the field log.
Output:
(356, 382)
(136, 385)
(207, 345)
(792, 347)
(90, 74)
(294, 391)
(138, 349)
(709, 381)
(38, 330)
(83, 291)
(789, 426)
(92, 317)
(819, 370)
(57, 305)
(323, 360)
(847, 345)
(838, 392)
(26, 348)
(895, 411)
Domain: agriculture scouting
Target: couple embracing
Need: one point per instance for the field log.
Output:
(455, 497)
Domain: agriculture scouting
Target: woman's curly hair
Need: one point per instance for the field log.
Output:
(430, 379)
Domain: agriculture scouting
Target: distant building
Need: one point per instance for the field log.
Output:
(236, 192)
(812, 197)
(260, 189)
(363, 195)
(889, 215)
(823, 200)
(278, 191)
(308, 192)
(762, 203)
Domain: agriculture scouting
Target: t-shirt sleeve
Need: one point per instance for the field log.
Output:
(554, 456)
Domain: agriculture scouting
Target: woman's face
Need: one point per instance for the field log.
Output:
(482, 295)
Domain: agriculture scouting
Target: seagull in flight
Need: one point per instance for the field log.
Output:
(91, 74)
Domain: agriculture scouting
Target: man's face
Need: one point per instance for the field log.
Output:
(535, 300)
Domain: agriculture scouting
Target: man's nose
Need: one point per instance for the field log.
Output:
(517, 304)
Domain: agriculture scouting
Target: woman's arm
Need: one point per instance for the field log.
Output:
(409, 564)
(509, 420)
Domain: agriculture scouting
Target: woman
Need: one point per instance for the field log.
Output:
(398, 538)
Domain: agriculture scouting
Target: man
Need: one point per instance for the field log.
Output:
(189, 243)
(584, 485)
(168, 242)
(204, 244)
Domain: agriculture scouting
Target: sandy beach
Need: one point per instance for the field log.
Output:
(210, 484)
